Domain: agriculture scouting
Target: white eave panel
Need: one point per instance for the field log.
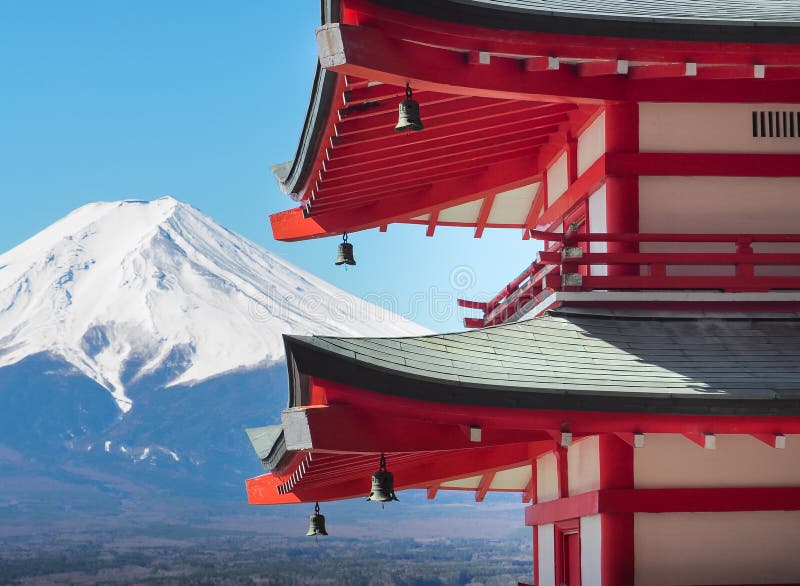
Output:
(466, 213)
(512, 207)
(512, 479)
(470, 483)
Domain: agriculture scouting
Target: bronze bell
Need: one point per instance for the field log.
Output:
(408, 116)
(382, 485)
(345, 256)
(316, 523)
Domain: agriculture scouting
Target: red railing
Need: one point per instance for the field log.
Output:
(565, 266)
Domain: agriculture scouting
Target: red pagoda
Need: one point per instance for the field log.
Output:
(638, 382)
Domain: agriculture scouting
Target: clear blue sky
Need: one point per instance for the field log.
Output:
(106, 100)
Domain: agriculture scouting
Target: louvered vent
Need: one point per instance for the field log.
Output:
(776, 124)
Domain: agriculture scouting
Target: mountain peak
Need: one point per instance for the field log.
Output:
(122, 290)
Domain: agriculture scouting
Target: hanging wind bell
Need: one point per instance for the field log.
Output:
(316, 523)
(382, 484)
(408, 116)
(345, 253)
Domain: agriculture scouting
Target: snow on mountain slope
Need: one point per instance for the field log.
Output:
(121, 289)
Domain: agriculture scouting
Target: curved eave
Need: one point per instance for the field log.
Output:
(624, 19)
(293, 175)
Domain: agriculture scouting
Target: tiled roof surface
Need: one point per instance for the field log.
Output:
(745, 11)
(690, 364)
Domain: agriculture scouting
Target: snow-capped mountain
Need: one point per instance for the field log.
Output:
(120, 290)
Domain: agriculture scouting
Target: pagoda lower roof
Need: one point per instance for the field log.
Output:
(738, 364)
(459, 410)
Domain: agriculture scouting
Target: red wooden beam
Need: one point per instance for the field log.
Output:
(579, 191)
(670, 258)
(483, 486)
(703, 164)
(596, 68)
(671, 237)
(478, 111)
(729, 71)
(712, 283)
(665, 500)
(774, 73)
(432, 223)
(353, 83)
(581, 422)
(342, 429)
(432, 490)
(370, 53)
(431, 157)
(541, 64)
(453, 109)
(374, 93)
(450, 135)
(394, 176)
(483, 215)
(337, 198)
(377, 108)
(662, 70)
(292, 225)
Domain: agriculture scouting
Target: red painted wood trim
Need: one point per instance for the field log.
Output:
(703, 164)
(657, 70)
(665, 500)
(483, 486)
(562, 468)
(434, 217)
(291, 225)
(580, 190)
(671, 258)
(616, 530)
(371, 53)
(483, 215)
(671, 237)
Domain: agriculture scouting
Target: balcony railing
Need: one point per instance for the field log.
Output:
(568, 265)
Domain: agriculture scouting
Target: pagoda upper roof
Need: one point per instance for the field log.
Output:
(502, 86)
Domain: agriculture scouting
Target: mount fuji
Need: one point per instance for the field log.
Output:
(138, 340)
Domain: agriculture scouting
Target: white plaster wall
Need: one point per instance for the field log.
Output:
(557, 179)
(671, 460)
(719, 205)
(598, 224)
(546, 478)
(546, 557)
(708, 128)
(591, 143)
(583, 463)
(591, 567)
(677, 549)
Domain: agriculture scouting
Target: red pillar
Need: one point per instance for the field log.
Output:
(616, 530)
(622, 193)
